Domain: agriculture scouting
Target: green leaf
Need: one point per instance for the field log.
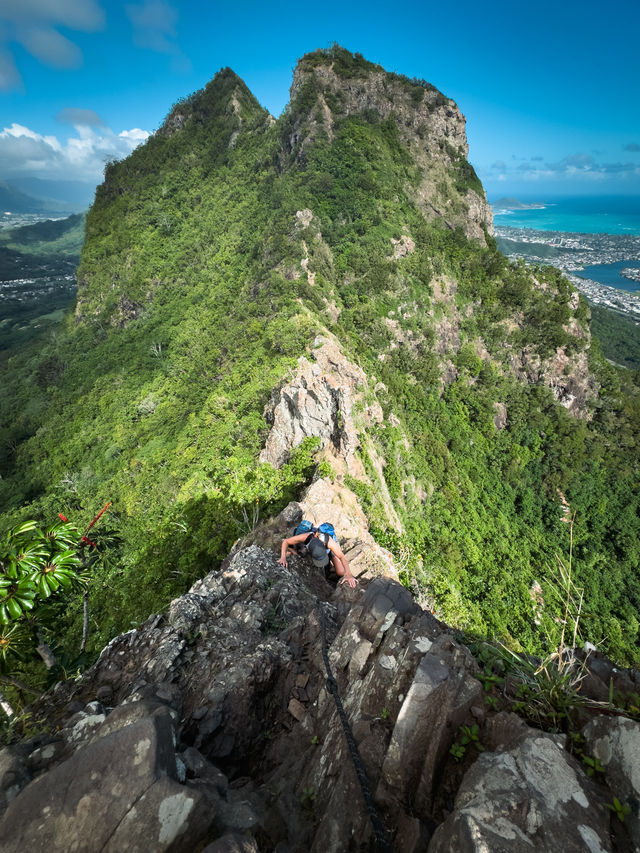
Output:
(14, 609)
(25, 527)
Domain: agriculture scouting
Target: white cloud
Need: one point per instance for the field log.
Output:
(135, 135)
(50, 47)
(35, 25)
(81, 157)
(154, 25)
(572, 168)
(9, 76)
(83, 15)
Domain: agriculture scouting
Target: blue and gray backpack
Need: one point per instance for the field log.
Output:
(325, 532)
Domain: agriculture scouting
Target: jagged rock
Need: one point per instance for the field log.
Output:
(232, 842)
(438, 701)
(211, 747)
(14, 774)
(80, 728)
(197, 767)
(615, 742)
(44, 756)
(167, 817)
(531, 797)
(566, 375)
(499, 415)
(93, 800)
(504, 731)
(433, 129)
(319, 401)
(337, 504)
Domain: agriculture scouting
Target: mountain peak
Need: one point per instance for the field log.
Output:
(225, 95)
(331, 85)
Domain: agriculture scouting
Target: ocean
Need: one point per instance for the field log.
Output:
(581, 214)
(610, 274)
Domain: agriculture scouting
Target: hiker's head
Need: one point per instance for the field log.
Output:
(317, 552)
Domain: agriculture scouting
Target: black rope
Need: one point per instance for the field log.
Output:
(332, 687)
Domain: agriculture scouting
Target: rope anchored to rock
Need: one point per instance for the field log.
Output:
(332, 687)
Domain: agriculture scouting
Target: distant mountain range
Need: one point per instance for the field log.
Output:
(36, 195)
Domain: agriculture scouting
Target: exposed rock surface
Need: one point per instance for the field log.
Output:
(615, 742)
(532, 796)
(218, 732)
(319, 400)
(430, 124)
(568, 376)
(337, 504)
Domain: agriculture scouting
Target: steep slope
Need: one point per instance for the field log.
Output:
(462, 397)
(268, 711)
(327, 88)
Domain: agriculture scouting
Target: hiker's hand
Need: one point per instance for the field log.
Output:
(283, 562)
(350, 580)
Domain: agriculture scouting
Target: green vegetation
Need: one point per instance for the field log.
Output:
(621, 810)
(51, 238)
(619, 336)
(193, 305)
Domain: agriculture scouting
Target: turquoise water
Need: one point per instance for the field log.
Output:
(585, 215)
(610, 274)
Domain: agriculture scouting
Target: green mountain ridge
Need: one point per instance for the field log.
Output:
(49, 237)
(15, 200)
(216, 253)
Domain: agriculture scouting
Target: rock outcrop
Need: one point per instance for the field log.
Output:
(320, 400)
(214, 728)
(429, 124)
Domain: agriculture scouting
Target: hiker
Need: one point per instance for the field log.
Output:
(321, 547)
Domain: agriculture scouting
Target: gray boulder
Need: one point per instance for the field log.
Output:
(615, 742)
(88, 802)
(533, 797)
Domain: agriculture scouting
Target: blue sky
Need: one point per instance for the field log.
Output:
(550, 90)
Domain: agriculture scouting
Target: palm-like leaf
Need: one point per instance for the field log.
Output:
(32, 555)
(15, 640)
(25, 527)
(57, 572)
(63, 533)
(16, 599)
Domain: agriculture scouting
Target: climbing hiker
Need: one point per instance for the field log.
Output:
(321, 546)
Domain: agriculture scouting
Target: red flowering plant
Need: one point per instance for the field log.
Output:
(35, 563)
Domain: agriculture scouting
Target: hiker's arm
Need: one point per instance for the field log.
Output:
(346, 570)
(286, 543)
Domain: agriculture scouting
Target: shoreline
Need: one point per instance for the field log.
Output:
(572, 252)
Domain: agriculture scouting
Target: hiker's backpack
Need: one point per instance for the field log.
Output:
(327, 530)
(304, 527)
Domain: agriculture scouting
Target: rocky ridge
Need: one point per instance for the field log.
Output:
(212, 728)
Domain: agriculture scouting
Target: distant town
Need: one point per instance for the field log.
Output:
(572, 253)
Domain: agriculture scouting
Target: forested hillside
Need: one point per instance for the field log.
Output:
(215, 254)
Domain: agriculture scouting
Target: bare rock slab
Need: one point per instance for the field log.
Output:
(84, 803)
(527, 799)
(615, 742)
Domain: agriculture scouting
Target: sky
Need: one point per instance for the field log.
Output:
(549, 90)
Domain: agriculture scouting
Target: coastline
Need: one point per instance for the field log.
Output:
(573, 252)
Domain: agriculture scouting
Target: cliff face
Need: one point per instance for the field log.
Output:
(430, 125)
